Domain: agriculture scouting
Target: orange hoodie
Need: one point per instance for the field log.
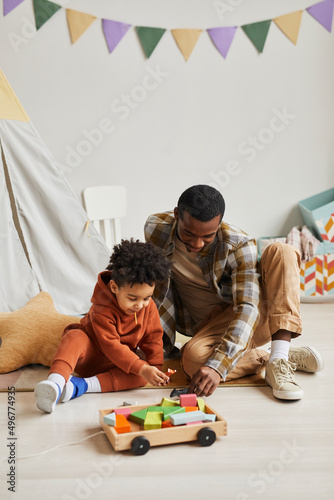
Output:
(116, 333)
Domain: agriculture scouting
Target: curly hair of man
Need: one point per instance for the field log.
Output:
(137, 262)
(202, 202)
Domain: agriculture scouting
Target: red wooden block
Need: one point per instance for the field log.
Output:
(122, 425)
(188, 400)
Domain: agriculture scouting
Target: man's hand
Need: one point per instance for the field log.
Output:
(204, 381)
(153, 375)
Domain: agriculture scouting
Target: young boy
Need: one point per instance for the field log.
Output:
(102, 347)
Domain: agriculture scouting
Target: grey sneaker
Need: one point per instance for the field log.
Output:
(280, 376)
(306, 359)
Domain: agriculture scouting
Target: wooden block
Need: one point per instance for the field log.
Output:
(201, 404)
(191, 408)
(193, 423)
(110, 419)
(168, 410)
(153, 420)
(138, 416)
(169, 402)
(184, 418)
(159, 409)
(122, 425)
(209, 417)
(166, 423)
(124, 410)
(188, 400)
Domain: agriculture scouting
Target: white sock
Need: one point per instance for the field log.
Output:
(48, 392)
(93, 384)
(59, 379)
(279, 350)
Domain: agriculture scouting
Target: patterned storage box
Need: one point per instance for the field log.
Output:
(317, 276)
(318, 214)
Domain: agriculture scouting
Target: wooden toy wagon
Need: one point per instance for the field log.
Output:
(136, 428)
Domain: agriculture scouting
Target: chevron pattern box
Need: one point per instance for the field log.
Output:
(318, 214)
(329, 274)
(317, 276)
(326, 229)
(312, 277)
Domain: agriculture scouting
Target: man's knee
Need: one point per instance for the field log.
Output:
(194, 355)
(278, 251)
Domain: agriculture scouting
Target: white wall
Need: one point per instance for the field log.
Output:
(198, 121)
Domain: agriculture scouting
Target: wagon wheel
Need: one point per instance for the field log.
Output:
(206, 436)
(140, 445)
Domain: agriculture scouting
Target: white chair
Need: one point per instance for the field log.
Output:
(105, 205)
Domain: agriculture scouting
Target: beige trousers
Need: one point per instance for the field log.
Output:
(279, 270)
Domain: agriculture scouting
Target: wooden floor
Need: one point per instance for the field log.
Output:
(273, 449)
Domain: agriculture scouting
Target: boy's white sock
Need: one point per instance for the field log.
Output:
(59, 379)
(48, 392)
(93, 385)
(279, 350)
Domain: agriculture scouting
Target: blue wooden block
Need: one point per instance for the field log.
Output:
(110, 419)
(210, 417)
(184, 418)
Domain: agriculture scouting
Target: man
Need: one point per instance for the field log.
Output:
(229, 304)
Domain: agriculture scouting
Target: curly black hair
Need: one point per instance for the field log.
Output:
(202, 202)
(137, 262)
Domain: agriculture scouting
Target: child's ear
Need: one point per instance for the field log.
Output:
(113, 286)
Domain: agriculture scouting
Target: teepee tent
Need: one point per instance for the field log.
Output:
(43, 242)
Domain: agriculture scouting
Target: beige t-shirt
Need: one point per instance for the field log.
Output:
(196, 295)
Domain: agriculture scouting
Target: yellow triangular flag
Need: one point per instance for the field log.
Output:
(186, 40)
(78, 22)
(290, 24)
(10, 108)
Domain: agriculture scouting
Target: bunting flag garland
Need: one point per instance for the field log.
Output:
(222, 38)
(78, 22)
(323, 13)
(9, 5)
(149, 38)
(257, 33)
(114, 32)
(186, 40)
(290, 24)
(43, 10)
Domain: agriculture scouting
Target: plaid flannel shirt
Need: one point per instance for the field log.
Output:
(229, 266)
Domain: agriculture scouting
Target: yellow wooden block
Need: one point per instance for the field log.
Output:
(153, 420)
(201, 404)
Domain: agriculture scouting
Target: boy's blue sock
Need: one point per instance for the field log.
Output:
(74, 388)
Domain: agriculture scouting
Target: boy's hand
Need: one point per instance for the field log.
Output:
(153, 375)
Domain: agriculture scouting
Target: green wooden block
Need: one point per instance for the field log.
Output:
(159, 409)
(170, 410)
(138, 416)
(153, 420)
(201, 404)
(168, 402)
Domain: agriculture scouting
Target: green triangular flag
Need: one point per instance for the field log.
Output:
(43, 10)
(257, 33)
(149, 38)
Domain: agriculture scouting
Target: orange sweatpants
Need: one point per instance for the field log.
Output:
(77, 353)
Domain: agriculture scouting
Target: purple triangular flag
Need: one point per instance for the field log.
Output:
(114, 32)
(9, 5)
(222, 38)
(323, 13)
